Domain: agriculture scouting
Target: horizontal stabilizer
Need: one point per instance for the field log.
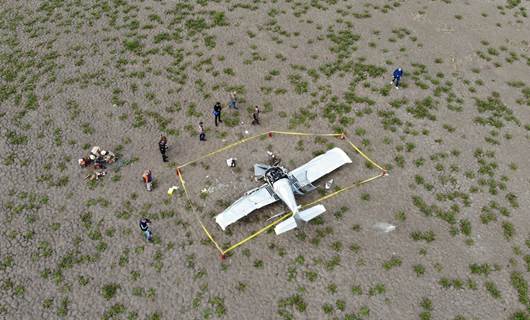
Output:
(306, 216)
(311, 213)
(259, 169)
(285, 226)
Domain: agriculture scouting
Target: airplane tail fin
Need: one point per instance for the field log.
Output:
(305, 215)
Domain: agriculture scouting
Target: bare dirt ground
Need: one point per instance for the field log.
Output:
(117, 73)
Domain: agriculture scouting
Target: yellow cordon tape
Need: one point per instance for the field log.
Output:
(287, 215)
(257, 136)
(183, 183)
(364, 156)
(222, 149)
(307, 134)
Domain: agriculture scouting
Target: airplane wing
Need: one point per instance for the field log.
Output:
(252, 200)
(320, 166)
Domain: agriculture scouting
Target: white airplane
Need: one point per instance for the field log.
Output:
(282, 185)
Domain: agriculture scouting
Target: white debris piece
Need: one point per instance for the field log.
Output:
(246, 131)
(328, 184)
(385, 227)
(171, 190)
(231, 162)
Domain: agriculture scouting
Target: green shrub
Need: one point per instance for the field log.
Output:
(508, 230)
(521, 286)
(427, 236)
(392, 263)
(356, 290)
(483, 269)
(492, 289)
(465, 227)
(114, 311)
(109, 290)
(419, 269)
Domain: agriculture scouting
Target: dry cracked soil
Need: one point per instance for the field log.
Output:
(118, 73)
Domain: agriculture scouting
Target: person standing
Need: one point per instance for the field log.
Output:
(217, 112)
(202, 134)
(398, 73)
(162, 145)
(255, 116)
(144, 226)
(232, 103)
(148, 180)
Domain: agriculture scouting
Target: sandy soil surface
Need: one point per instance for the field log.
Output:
(117, 74)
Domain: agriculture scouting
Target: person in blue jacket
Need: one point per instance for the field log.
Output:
(397, 77)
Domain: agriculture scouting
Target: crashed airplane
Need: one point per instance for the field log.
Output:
(283, 185)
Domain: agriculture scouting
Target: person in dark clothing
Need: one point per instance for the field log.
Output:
(255, 116)
(217, 112)
(144, 226)
(202, 134)
(162, 145)
(397, 77)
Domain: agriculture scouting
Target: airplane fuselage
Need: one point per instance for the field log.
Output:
(281, 185)
(283, 190)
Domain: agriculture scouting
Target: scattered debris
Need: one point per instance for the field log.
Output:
(98, 157)
(328, 184)
(273, 159)
(231, 162)
(96, 175)
(384, 227)
(172, 190)
(213, 188)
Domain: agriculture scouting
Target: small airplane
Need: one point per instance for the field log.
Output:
(283, 185)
